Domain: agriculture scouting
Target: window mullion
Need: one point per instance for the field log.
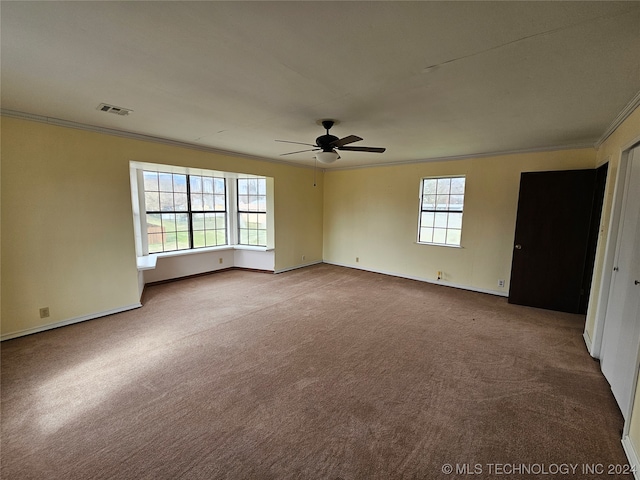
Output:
(189, 213)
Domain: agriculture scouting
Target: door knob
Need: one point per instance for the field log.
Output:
(518, 246)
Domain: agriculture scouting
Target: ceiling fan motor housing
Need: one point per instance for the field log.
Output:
(324, 142)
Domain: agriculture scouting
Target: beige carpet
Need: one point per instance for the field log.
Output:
(319, 373)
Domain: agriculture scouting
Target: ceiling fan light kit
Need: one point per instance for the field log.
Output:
(326, 145)
(327, 157)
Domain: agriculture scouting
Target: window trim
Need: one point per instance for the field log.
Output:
(421, 210)
(239, 212)
(189, 212)
(136, 169)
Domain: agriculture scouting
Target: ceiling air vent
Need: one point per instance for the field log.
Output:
(105, 107)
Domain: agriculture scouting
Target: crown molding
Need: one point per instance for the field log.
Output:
(576, 146)
(621, 117)
(631, 106)
(139, 136)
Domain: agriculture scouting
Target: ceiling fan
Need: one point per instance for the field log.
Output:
(326, 145)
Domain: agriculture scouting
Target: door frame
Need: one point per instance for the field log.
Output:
(611, 247)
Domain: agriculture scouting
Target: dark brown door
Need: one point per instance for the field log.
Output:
(552, 234)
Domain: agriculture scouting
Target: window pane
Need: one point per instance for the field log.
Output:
(457, 185)
(262, 237)
(198, 221)
(155, 247)
(207, 184)
(183, 240)
(253, 186)
(244, 236)
(262, 203)
(150, 181)
(211, 238)
(253, 203)
(198, 239)
(253, 220)
(166, 201)
(218, 185)
(427, 219)
(180, 183)
(207, 199)
(180, 201)
(426, 234)
(453, 237)
(262, 221)
(169, 222)
(262, 186)
(221, 237)
(456, 202)
(154, 219)
(196, 202)
(243, 202)
(219, 202)
(455, 220)
(242, 186)
(429, 202)
(253, 237)
(242, 220)
(195, 184)
(440, 220)
(429, 186)
(152, 201)
(442, 202)
(170, 242)
(439, 235)
(444, 185)
(221, 220)
(166, 182)
(209, 221)
(182, 222)
(155, 233)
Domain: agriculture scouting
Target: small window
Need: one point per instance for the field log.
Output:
(252, 211)
(441, 205)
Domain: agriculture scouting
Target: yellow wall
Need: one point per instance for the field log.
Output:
(372, 214)
(67, 221)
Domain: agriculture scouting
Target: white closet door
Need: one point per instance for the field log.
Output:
(621, 336)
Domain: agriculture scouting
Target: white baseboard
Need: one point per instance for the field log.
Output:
(631, 456)
(298, 266)
(427, 280)
(62, 323)
(587, 341)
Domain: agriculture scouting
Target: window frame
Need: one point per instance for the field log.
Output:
(259, 212)
(436, 210)
(189, 212)
(136, 174)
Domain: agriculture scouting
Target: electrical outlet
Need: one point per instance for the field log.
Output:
(439, 275)
(501, 283)
(220, 260)
(44, 312)
(357, 259)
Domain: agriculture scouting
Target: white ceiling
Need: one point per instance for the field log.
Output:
(423, 79)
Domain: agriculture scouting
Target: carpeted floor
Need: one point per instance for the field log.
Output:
(318, 373)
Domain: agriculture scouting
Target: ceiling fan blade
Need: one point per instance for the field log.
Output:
(301, 151)
(298, 143)
(363, 149)
(344, 141)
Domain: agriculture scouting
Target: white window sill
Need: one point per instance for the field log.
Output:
(438, 245)
(148, 262)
